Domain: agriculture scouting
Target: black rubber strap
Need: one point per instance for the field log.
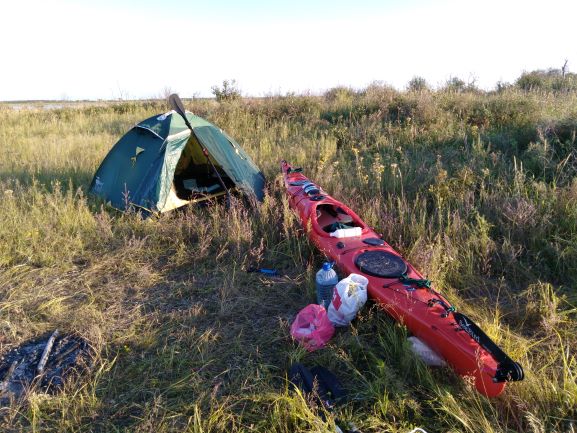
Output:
(420, 283)
(508, 370)
(294, 170)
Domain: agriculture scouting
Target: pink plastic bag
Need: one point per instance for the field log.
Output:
(312, 327)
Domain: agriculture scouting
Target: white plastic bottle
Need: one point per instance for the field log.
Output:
(325, 281)
(347, 233)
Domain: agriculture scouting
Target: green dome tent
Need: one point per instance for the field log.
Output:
(159, 165)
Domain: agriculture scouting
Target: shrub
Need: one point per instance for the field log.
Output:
(455, 84)
(418, 84)
(228, 92)
(547, 80)
(340, 94)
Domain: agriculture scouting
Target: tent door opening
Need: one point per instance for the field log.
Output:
(194, 177)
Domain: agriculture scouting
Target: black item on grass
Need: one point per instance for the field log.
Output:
(322, 385)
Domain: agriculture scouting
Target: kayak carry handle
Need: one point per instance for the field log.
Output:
(509, 372)
(448, 308)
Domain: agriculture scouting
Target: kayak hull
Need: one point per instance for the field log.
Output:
(407, 297)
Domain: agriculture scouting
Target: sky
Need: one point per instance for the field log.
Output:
(115, 49)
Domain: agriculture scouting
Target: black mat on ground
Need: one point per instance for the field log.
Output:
(379, 263)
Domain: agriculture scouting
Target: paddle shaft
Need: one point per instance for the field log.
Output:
(176, 103)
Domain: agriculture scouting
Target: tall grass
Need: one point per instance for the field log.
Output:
(478, 190)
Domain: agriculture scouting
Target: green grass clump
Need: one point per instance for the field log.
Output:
(478, 190)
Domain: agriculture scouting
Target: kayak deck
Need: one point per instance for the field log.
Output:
(397, 286)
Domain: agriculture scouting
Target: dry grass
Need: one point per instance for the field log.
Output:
(478, 190)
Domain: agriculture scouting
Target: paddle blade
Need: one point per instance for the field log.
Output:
(177, 105)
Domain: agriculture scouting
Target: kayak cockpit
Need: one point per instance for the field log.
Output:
(331, 217)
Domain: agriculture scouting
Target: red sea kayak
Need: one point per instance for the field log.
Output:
(398, 287)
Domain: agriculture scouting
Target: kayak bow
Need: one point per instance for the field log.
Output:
(398, 287)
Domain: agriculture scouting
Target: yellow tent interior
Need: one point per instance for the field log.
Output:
(194, 178)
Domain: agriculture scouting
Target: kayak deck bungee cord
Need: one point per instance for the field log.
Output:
(398, 287)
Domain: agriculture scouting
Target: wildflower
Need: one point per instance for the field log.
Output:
(378, 168)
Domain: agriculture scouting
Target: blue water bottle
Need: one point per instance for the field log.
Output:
(326, 279)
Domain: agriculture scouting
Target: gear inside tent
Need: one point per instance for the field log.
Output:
(160, 165)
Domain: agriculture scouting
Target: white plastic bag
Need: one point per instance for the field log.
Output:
(349, 296)
(427, 355)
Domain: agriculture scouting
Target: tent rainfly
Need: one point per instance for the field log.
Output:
(160, 165)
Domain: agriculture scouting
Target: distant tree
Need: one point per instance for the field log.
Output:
(418, 84)
(548, 80)
(378, 90)
(228, 92)
(340, 94)
(455, 84)
(472, 85)
(531, 80)
(502, 86)
(564, 68)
